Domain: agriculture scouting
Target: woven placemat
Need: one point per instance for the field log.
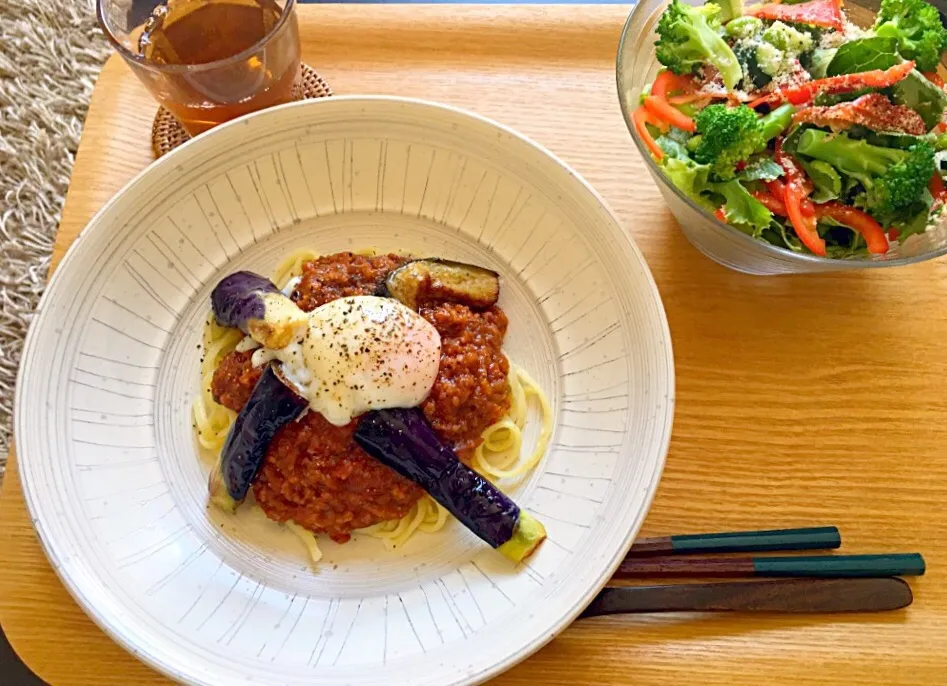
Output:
(167, 133)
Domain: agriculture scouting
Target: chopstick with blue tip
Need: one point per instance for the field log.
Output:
(812, 538)
(821, 566)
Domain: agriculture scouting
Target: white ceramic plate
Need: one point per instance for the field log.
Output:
(110, 468)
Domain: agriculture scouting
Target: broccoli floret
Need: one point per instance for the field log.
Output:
(781, 46)
(856, 158)
(788, 39)
(917, 26)
(771, 60)
(902, 185)
(744, 27)
(730, 9)
(689, 38)
(754, 77)
(728, 135)
(894, 180)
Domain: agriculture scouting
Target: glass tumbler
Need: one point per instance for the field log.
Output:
(208, 61)
(637, 66)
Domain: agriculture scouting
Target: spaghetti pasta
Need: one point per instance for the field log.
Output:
(211, 419)
(291, 266)
(499, 456)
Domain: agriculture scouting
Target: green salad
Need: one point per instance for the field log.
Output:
(793, 125)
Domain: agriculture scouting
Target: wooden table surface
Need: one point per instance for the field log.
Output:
(801, 400)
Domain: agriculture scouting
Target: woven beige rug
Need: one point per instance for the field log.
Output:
(50, 54)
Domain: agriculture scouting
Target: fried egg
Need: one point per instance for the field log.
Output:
(358, 354)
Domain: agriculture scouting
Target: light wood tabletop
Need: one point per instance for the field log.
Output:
(800, 400)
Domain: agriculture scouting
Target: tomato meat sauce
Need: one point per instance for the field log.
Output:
(314, 474)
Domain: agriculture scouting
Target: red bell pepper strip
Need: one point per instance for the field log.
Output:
(721, 214)
(640, 118)
(797, 190)
(668, 82)
(771, 202)
(778, 189)
(701, 99)
(664, 111)
(844, 83)
(657, 103)
(859, 221)
(873, 111)
(826, 13)
(936, 187)
(805, 227)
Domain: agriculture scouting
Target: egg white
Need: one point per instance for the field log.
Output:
(358, 354)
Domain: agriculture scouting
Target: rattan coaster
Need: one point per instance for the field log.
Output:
(167, 133)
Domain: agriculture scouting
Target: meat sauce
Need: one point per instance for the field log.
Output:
(314, 473)
(234, 380)
(471, 391)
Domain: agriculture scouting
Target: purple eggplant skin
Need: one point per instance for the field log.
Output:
(237, 299)
(403, 440)
(271, 405)
(253, 304)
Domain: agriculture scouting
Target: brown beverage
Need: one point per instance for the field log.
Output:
(195, 32)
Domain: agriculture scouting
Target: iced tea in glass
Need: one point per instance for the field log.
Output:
(208, 61)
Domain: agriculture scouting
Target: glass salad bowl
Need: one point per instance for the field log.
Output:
(637, 67)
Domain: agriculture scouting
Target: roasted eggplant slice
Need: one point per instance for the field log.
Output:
(442, 280)
(271, 405)
(257, 307)
(404, 440)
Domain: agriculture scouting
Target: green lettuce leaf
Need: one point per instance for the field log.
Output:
(864, 54)
(672, 148)
(743, 210)
(916, 218)
(827, 182)
(690, 178)
(819, 61)
(840, 241)
(922, 96)
(673, 142)
(761, 169)
(779, 234)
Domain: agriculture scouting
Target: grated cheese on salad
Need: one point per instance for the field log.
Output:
(758, 132)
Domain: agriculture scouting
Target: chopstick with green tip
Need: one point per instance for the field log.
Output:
(823, 566)
(812, 538)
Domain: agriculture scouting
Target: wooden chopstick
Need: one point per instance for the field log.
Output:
(811, 538)
(824, 566)
(783, 595)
